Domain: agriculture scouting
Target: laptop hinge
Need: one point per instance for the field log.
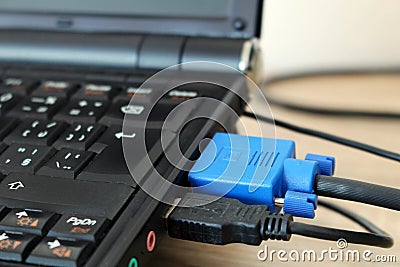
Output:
(160, 52)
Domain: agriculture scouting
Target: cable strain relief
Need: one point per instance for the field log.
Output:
(275, 226)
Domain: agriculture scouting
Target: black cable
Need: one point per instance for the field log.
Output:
(201, 219)
(333, 112)
(326, 233)
(376, 237)
(358, 191)
(340, 140)
(363, 222)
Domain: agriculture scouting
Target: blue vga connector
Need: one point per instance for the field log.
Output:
(258, 170)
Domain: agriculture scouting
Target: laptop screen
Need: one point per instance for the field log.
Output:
(223, 18)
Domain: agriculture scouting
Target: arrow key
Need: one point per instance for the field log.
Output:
(58, 252)
(28, 221)
(15, 247)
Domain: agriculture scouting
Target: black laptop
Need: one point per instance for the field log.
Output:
(68, 72)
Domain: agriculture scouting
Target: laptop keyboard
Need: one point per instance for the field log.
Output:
(62, 164)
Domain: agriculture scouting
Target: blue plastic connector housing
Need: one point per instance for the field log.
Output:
(242, 167)
(326, 164)
(299, 175)
(300, 204)
(256, 170)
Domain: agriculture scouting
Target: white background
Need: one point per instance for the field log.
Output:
(315, 35)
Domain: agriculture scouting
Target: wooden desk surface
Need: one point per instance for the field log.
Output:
(373, 92)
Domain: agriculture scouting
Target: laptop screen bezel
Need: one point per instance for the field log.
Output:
(243, 13)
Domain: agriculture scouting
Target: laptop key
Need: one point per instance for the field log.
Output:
(177, 96)
(79, 136)
(3, 211)
(66, 163)
(136, 115)
(24, 158)
(2, 147)
(15, 247)
(37, 107)
(191, 91)
(143, 95)
(110, 164)
(101, 92)
(118, 110)
(17, 86)
(88, 228)
(36, 132)
(64, 196)
(55, 88)
(28, 221)
(7, 125)
(57, 252)
(7, 101)
(81, 110)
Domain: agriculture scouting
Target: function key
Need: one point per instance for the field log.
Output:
(55, 88)
(66, 163)
(137, 115)
(79, 136)
(82, 110)
(193, 90)
(118, 110)
(142, 95)
(56, 252)
(79, 227)
(15, 247)
(177, 96)
(97, 92)
(23, 158)
(36, 132)
(37, 107)
(17, 86)
(28, 221)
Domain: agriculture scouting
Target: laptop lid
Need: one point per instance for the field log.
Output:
(212, 18)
